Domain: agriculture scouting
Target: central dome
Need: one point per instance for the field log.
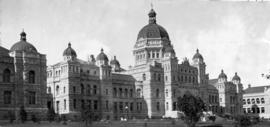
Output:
(153, 30)
(23, 45)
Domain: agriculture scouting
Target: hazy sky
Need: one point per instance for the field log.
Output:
(234, 36)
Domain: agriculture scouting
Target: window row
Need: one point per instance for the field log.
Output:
(253, 101)
(254, 110)
(167, 93)
(187, 71)
(213, 99)
(126, 106)
(31, 97)
(30, 77)
(89, 90)
(174, 106)
(121, 92)
(185, 79)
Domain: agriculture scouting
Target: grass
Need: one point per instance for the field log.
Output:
(131, 123)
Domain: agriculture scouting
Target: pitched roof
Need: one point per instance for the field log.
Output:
(258, 89)
(213, 81)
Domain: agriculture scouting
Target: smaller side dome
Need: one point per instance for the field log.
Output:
(115, 61)
(185, 62)
(222, 75)
(102, 56)
(236, 77)
(69, 51)
(197, 55)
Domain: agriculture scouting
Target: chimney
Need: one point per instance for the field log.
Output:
(249, 85)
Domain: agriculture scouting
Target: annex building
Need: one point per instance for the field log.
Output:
(256, 101)
(149, 88)
(22, 80)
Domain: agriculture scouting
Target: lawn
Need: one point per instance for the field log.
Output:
(131, 123)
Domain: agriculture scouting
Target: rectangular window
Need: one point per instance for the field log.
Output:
(57, 106)
(107, 105)
(7, 97)
(115, 106)
(95, 105)
(245, 110)
(89, 104)
(121, 106)
(32, 97)
(158, 106)
(74, 103)
(65, 104)
(262, 110)
(74, 89)
(131, 106)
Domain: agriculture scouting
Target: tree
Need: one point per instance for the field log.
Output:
(242, 121)
(50, 115)
(23, 114)
(192, 107)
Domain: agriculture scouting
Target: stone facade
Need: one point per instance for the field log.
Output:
(256, 101)
(22, 80)
(150, 88)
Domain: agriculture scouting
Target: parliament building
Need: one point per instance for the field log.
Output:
(148, 89)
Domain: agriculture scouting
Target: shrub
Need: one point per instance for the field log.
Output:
(243, 120)
(212, 118)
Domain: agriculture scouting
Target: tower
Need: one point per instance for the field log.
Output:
(198, 62)
(30, 77)
(222, 77)
(239, 90)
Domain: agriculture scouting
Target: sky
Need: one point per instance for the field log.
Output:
(234, 36)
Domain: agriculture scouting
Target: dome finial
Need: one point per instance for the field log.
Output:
(152, 15)
(235, 73)
(69, 44)
(197, 50)
(114, 57)
(101, 50)
(222, 71)
(23, 35)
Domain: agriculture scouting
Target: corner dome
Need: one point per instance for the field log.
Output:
(69, 51)
(236, 77)
(222, 75)
(197, 55)
(23, 45)
(152, 30)
(102, 56)
(115, 61)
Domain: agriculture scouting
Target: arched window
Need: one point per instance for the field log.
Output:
(114, 92)
(262, 100)
(139, 92)
(244, 101)
(82, 89)
(57, 90)
(257, 100)
(166, 92)
(158, 106)
(6, 75)
(253, 101)
(31, 77)
(144, 77)
(248, 101)
(154, 77)
(49, 90)
(157, 92)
